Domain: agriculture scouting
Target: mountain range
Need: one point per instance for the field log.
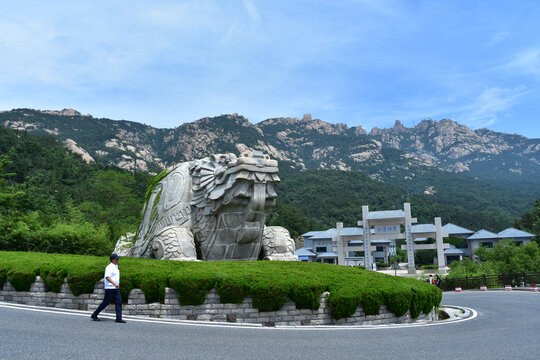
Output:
(306, 143)
(440, 159)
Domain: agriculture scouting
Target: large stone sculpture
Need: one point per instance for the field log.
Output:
(212, 209)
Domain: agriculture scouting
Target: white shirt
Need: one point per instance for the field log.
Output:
(111, 271)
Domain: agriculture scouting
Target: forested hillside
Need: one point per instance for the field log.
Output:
(52, 201)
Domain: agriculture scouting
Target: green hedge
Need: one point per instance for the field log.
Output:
(269, 283)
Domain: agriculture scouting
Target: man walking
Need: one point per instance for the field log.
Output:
(112, 290)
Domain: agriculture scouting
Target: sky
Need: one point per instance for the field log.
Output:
(363, 63)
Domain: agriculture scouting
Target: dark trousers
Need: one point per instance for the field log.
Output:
(111, 295)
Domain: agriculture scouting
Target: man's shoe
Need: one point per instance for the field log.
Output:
(120, 321)
(95, 318)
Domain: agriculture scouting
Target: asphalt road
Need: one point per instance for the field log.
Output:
(507, 327)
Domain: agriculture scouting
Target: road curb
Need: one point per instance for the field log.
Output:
(467, 315)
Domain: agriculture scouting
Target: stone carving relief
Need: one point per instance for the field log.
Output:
(213, 209)
(278, 244)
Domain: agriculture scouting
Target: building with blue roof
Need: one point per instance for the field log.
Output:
(457, 231)
(456, 254)
(482, 238)
(520, 237)
(320, 242)
(305, 254)
(307, 238)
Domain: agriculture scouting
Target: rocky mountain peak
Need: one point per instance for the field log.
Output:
(279, 121)
(323, 127)
(306, 117)
(359, 130)
(306, 123)
(398, 127)
(220, 120)
(425, 124)
(64, 112)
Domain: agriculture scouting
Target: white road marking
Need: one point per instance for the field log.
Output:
(473, 314)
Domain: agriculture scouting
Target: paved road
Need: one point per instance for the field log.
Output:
(507, 327)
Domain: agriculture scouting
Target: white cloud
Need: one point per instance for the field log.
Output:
(251, 9)
(497, 38)
(527, 62)
(489, 106)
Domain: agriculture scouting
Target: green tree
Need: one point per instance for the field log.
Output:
(506, 257)
(530, 221)
(290, 218)
(7, 192)
(424, 257)
(111, 200)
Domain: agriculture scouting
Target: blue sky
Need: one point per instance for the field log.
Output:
(362, 63)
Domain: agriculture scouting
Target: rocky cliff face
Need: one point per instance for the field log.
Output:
(457, 148)
(302, 143)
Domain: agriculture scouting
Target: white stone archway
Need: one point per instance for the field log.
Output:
(387, 225)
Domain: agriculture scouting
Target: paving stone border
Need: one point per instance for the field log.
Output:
(211, 310)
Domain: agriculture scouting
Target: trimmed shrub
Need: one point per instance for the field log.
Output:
(3, 277)
(82, 281)
(398, 300)
(434, 297)
(126, 285)
(306, 296)
(192, 290)
(53, 277)
(232, 290)
(153, 285)
(268, 297)
(371, 301)
(20, 280)
(21, 274)
(343, 304)
(418, 302)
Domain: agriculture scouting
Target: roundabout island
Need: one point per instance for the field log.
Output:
(270, 293)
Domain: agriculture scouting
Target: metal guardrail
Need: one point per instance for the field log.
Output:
(492, 281)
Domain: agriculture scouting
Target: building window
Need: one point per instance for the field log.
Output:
(320, 249)
(379, 248)
(519, 243)
(487, 244)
